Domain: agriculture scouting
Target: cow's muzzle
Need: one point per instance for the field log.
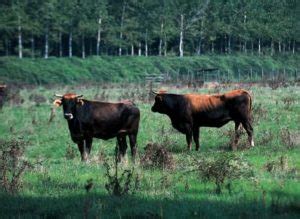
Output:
(68, 116)
(153, 109)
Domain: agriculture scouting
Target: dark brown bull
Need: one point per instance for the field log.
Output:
(189, 112)
(92, 119)
(2, 94)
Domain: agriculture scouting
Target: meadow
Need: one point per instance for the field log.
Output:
(59, 185)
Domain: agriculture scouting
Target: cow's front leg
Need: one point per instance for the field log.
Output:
(196, 137)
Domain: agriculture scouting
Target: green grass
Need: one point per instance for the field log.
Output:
(56, 187)
(133, 69)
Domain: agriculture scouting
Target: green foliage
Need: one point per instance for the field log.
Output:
(134, 69)
(208, 26)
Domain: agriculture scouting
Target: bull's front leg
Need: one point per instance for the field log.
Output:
(83, 149)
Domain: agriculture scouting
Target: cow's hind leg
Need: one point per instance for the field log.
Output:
(196, 137)
(249, 129)
(237, 133)
(132, 140)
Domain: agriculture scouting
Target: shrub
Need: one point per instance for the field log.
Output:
(12, 164)
(157, 155)
(222, 169)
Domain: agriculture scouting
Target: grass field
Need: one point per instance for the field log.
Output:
(55, 186)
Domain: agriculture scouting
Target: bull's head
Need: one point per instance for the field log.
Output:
(159, 104)
(69, 102)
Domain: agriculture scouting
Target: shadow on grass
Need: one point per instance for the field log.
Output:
(93, 205)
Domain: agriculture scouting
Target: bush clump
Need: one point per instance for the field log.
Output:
(222, 169)
(12, 164)
(157, 155)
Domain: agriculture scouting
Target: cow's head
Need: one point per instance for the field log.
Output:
(160, 104)
(69, 102)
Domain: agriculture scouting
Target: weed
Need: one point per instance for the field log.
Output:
(38, 99)
(120, 184)
(70, 152)
(287, 138)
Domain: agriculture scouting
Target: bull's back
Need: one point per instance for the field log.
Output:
(218, 109)
(109, 119)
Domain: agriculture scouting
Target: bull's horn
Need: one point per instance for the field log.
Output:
(58, 95)
(79, 96)
(153, 92)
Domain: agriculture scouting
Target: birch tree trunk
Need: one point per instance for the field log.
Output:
(293, 47)
(212, 47)
(70, 44)
(98, 37)
(60, 44)
(32, 45)
(165, 45)
(6, 47)
(20, 38)
(46, 45)
(272, 47)
(82, 47)
(140, 49)
(199, 46)
(229, 44)
(160, 38)
(146, 43)
(132, 50)
(279, 47)
(252, 47)
(181, 37)
(121, 28)
(259, 47)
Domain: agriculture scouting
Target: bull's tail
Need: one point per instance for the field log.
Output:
(250, 98)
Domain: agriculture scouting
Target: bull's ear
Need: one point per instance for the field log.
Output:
(57, 102)
(159, 97)
(80, 102)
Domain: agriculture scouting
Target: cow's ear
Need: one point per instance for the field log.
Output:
(57, 102)
(80, 102)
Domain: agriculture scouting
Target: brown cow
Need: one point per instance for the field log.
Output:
(93, 119)
(189, 112)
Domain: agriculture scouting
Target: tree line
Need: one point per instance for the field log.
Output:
(43, 28)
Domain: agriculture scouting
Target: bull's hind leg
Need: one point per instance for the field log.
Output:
(237, 133)
(122, 147)
(249, 129)
(132, 140)
(196, 137)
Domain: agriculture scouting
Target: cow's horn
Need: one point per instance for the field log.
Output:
(58, 95)
(153, 92)
(78, 96)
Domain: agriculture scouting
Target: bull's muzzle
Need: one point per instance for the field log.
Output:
(68, 116)
(153, 109)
